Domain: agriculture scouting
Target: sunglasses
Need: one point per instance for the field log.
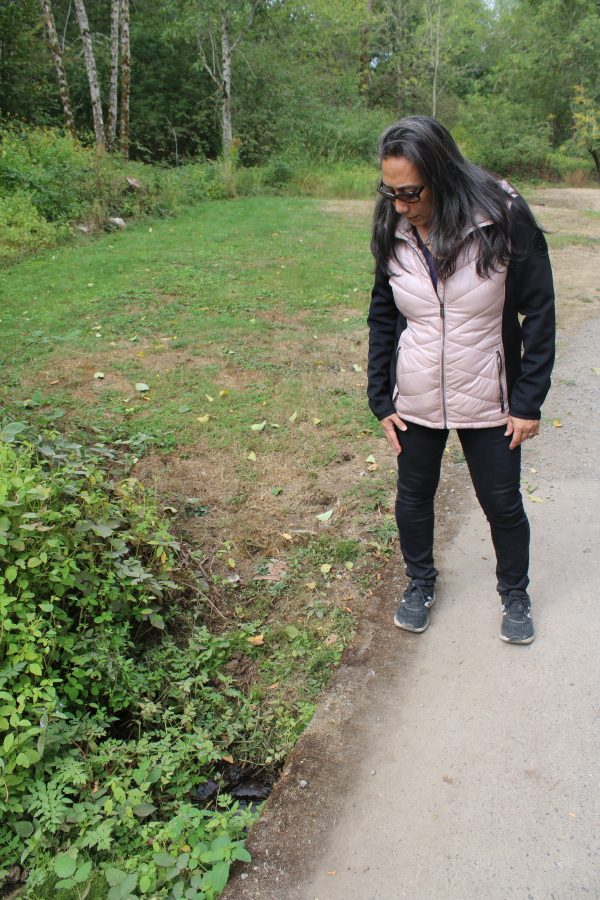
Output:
(403, 196)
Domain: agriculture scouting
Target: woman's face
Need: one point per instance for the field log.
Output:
(400, 174)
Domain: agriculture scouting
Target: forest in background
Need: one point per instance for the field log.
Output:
(516, 81)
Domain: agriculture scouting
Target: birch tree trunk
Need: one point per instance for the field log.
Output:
(55, 50)
(111, 126)
(436, 65)
(365, 62)
(226, 76)
(125, 78)
(222, 76)
(90, 64)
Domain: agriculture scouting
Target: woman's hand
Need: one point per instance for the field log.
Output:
(390, 432)
(521, 430)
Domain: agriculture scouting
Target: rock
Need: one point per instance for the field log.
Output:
(117, 222)
(303, 783)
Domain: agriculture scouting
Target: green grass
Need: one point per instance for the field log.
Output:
(264, 300)
(210, 282)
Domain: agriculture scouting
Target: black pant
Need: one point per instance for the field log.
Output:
(495, 471)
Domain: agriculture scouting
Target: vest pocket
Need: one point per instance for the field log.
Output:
(500, 368)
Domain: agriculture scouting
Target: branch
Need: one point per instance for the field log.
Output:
(242, 33)
(205, 63)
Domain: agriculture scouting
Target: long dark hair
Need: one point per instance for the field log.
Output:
(463, 195)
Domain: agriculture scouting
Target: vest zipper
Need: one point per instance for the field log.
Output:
(500, 370)
(442, 302)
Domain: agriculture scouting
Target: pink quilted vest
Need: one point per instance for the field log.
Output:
(450, 370)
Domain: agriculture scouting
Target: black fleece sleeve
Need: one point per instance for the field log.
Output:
(383, 326)
(530, 277)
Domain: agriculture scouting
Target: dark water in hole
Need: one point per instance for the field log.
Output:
(249, 786)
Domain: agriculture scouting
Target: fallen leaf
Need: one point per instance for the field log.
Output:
(330, 640)
(347, 319)
(172, 509)
(231, 562)
(163, 558)
(209, 398)
(203, 418)
(461, 662)
(251, 456)
(311, 585)
(325, 517)
(291, 631)
(534, 471)
(557, 424)
(573, 815)
(223, 393)
(357, 368)
(273, 686)
(287, 537)
(596, 371)
(229, 757)
(317, 421)
(90, 284)
(140, 353)
(332, 873)
(536, 499)
(96, 375)
(372, 468)
(276, 491)
(293, 417)
(184, 409)
(257, 640)
(140, 386)
(370, 459)
(348, 565)
(56, 380)
(259, 426)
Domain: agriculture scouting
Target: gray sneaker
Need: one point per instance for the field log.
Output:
(412, 611)
(517, 627)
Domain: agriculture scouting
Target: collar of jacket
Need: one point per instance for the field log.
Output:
(405, 232)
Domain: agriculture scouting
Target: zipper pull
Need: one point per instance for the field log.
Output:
(442, 312)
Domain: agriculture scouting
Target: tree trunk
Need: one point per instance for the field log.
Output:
(365, 62)
(90, 64)
(125, 78)
(437, 61)
(596, 158)
(226, 77)
(114, 74)
(63, 87)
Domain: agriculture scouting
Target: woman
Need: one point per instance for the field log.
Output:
(459, 258)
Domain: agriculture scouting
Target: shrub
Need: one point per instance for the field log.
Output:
(106, 719)
(23, 230)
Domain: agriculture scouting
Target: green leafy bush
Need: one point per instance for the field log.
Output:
(106, 720)
(23, 229)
